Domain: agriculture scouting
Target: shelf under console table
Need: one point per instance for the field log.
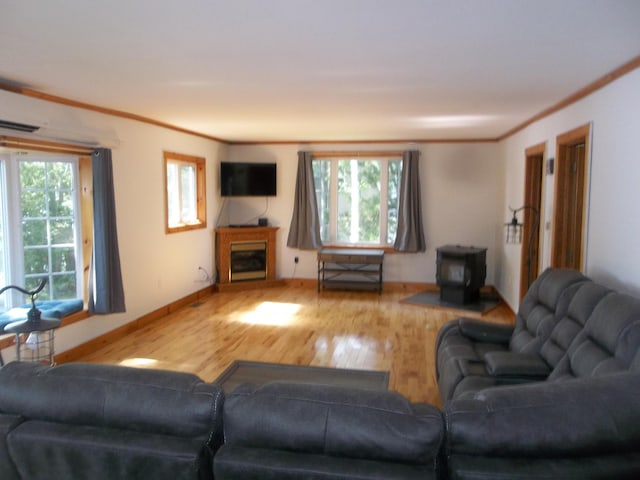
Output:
(350, 268)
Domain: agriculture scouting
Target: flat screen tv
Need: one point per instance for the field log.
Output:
(244, 179)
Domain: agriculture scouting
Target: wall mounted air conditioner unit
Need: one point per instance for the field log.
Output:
(20, 127)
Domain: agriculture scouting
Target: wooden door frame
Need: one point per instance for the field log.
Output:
(568, 139)
(532, 154)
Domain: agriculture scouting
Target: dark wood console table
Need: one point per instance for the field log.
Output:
(350, 268)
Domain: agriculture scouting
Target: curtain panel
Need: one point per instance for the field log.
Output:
(304, 232)
(106, 291)
(410, 234)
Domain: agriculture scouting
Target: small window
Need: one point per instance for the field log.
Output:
(185, 197)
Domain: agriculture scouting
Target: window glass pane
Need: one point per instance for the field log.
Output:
(34, 232)
(359, 201)
(61, 203)
(59, 175)
(36, 261)
(61, 232)
(47, 204)
(34, 203)
(188, 194)
(63, 286)
(63, 260)
(393, 198)
(322, 180)
(32, 175)
(173, 203)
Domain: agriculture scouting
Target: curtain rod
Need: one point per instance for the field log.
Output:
(356, 153)
(21, 143)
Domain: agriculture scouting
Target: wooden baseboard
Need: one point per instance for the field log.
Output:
(248, 285)
(121, 332)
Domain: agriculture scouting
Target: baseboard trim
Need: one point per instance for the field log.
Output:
(89, 346)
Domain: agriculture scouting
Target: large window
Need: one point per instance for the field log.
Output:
(185, 192)
(357, 199)
(40, 227)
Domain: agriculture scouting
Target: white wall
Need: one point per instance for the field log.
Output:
(461, 191)
(157, 268)
(612, 254)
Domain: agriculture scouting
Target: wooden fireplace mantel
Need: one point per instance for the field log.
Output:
(225, 236)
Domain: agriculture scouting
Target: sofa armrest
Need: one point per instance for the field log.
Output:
(483, 331)
(587, 416)
(516, 365)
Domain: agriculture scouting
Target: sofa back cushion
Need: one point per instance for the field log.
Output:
(335, 421)
(546, 300)
(608, 343)
(144, 400)
(568, 326)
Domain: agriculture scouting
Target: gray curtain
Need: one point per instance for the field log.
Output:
(106, 291)
(410, 235)
(304, 232)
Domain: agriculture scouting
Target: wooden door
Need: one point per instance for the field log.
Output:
(530, 254)
(570, 200)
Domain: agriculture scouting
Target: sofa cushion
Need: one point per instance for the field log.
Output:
(577, 417)
(618, 466)
(546, 300)
(587, 296)
(234, 462)
(609, 342)
(144, 400)
(47, 450)
(333, 421)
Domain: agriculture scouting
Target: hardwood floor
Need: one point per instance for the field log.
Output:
(297, 325)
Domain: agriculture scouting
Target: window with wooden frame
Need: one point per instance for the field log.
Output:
(46, 218)
(185, 192)
(358, 197)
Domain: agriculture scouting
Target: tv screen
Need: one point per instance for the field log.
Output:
(243, 179)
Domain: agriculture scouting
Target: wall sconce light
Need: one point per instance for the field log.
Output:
(514, 228)
(514, 233)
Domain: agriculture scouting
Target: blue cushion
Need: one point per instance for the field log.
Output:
(49, 309)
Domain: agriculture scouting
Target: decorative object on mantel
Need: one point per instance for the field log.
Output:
(39, 344)
(514, 233)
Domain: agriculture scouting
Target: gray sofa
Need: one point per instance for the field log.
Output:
(555, 396)
(87, 421)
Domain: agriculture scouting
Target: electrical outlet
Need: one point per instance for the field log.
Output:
(296, 259)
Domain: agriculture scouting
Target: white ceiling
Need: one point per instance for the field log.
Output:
(324, 70)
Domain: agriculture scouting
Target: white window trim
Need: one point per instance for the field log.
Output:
(12, 220)
(333, 201)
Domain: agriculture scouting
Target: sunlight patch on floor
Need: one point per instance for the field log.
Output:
(139, 362)
(272, 313)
